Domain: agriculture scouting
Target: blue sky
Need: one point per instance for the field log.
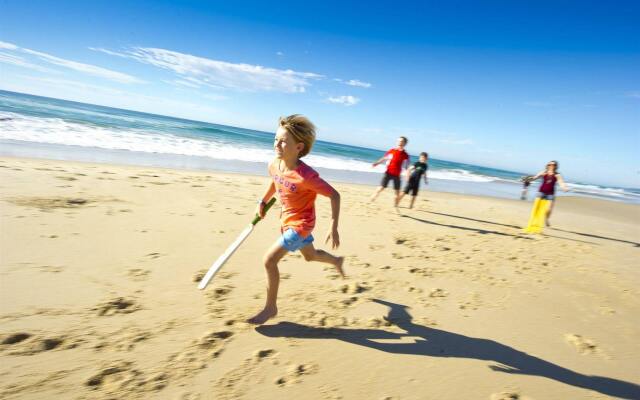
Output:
(500, 83)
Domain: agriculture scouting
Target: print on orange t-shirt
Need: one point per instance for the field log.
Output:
(396, 158)
(297, 191)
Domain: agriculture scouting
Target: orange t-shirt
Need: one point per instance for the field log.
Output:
(297, 191)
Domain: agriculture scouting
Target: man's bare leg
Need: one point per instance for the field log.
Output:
(375, 195)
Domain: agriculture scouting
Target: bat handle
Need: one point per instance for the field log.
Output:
(266, 208)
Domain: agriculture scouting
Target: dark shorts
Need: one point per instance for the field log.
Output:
(412, 186)
(545, 196)
(387, 177)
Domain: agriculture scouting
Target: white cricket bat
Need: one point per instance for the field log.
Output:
(231, 249)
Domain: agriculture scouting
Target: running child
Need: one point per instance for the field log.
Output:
(547, 191)
(398, 159)
(297, 185)
(414, 173)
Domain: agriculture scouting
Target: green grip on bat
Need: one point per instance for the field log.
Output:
(266, 208)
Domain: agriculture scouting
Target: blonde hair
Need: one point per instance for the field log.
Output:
(302, 130)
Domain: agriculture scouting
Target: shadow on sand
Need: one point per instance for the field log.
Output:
(439, 343)
(465, 228)
(486, 231)
(636, 244)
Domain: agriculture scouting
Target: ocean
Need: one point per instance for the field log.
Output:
(41, 127)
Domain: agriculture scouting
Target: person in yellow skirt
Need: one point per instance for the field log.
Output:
(543, 205)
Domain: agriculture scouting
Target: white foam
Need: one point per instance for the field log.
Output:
(602, 191)
(58, 131)
(459, 175)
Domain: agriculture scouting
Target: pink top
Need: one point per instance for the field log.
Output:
(297, 191)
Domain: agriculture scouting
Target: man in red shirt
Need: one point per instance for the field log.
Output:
(397, 160)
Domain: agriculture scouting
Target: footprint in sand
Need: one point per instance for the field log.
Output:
(28, 344)
(138, 274)
(50, 269)
(220, 293)
(332, 321)
(421, 271)
(121, 380)
(437, 292)
(355, 288)
(196, 356)
(66, 178)
(295, 373)
(123, 340)
(582, 344)
(153, 256)
(505, 396)
(50, 203)
(119, 305)
(236, 382)
(15, 338)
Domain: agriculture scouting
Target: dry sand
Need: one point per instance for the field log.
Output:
(99, 267)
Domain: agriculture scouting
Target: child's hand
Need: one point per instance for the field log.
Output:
(334, 236)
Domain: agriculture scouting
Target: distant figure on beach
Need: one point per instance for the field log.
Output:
(547, 191)
(297, 185)
(414, 173)
(526, 181)
(397, 159)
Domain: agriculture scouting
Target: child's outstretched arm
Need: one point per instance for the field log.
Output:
(265, 198)
(335, 216)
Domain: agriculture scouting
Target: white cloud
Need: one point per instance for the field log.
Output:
(109, 52)
(635, 95)
(8, 46)
(181, 82)
(221, 74)
(96, 94)
(85, 68)
(21, 62)
(344, 100)
(74, 65)
(355, 82)
(279, 53)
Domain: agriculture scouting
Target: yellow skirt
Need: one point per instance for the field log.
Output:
(538, 216)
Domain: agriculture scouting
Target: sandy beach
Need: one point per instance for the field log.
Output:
(99, 267)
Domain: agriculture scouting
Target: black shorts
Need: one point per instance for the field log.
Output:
(412, 186)
(387, 177)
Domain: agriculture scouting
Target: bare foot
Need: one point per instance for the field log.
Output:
(339, 267)
(263, 316)
(547, 223)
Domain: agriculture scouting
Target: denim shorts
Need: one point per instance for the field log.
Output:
(292, 241)
(543, 196)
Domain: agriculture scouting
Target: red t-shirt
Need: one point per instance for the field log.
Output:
(396, 158)
(297, 191)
